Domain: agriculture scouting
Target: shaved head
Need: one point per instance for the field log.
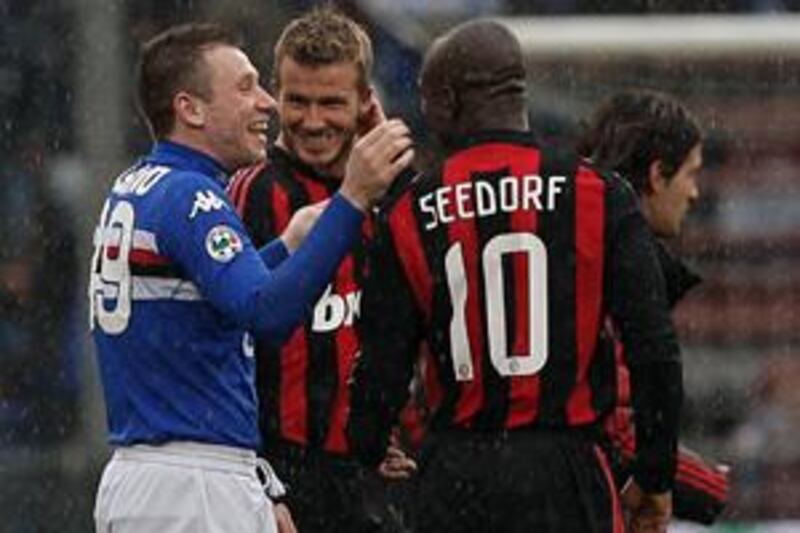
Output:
(473, 78)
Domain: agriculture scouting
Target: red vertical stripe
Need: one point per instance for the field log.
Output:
(281, 208)
(458, 170)
(346, 346)
(235, 185)
(616, 510)
(240, 186)
(412, 254)
(294, 358)
(525, 390)
(316, 190)
(293, 404)
(346, 343)
(589, 250)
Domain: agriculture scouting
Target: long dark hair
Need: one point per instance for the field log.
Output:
(633, 128)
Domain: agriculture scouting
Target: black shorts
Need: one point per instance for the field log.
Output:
(333, 494)
(517, 481)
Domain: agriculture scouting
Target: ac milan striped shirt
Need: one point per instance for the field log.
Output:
(507, 261)
(302, 384)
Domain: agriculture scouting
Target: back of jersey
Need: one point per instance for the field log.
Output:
(503, 253)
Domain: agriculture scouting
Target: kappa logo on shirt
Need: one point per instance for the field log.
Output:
(223, 243)
(206, 202)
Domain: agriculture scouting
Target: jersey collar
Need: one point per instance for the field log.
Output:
(457, 143)
(185, 158)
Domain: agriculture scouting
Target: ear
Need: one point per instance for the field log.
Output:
(656, 182)
(366, 104)
(365, 96)
(189, 110)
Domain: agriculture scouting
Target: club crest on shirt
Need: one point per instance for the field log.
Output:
(223, 243)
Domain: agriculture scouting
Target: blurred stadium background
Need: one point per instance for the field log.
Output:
(67, 125)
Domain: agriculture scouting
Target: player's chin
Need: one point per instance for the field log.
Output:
(318, 158)
(257, 148)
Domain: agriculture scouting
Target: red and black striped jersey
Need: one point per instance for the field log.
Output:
(507, 261)
(302, 384)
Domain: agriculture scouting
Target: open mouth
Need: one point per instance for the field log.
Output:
(318, 141)
(259, 128)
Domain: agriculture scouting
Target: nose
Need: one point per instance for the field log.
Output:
(265, 102)
(312, 118)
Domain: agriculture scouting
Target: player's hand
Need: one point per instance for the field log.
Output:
(283, 517)
(375, 161)
(301, 223)
(396, 465)
(649, 513)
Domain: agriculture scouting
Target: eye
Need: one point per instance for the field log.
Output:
(333, 103)
(296, 101)
(248, 83)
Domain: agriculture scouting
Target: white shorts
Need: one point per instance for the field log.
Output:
(182, 487)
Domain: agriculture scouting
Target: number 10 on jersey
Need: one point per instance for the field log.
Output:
(506, 364)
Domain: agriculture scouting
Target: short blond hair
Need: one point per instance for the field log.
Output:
(325, 36)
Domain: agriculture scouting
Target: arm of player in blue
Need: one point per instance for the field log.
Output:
(273, 253)
(213, 249)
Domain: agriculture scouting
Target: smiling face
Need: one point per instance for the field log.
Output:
(667, 201)
(320, 107)
(235, 117)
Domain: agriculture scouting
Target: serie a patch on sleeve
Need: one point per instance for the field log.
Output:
(223, 243)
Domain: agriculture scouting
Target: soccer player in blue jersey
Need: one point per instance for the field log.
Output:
(177, 288)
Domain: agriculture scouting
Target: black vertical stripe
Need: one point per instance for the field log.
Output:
(436, 243)
(496, 388)
(268, 374)
(603, 374)
(268, 380)
(258, 212)
(557, 230)
(259, 218)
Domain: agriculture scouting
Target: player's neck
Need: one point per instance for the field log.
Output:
(199, 143)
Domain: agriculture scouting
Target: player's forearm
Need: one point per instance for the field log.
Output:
(657, 395)
(284, 299)
(273, 253)
(639, 307)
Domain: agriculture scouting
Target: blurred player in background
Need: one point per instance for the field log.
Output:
(507, 260)
(656, 144)
(323, 62)
(177, 287)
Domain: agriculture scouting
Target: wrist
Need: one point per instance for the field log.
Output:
(359, 201)
(289, 243)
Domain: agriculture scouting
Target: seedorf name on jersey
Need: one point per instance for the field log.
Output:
(485, 198)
